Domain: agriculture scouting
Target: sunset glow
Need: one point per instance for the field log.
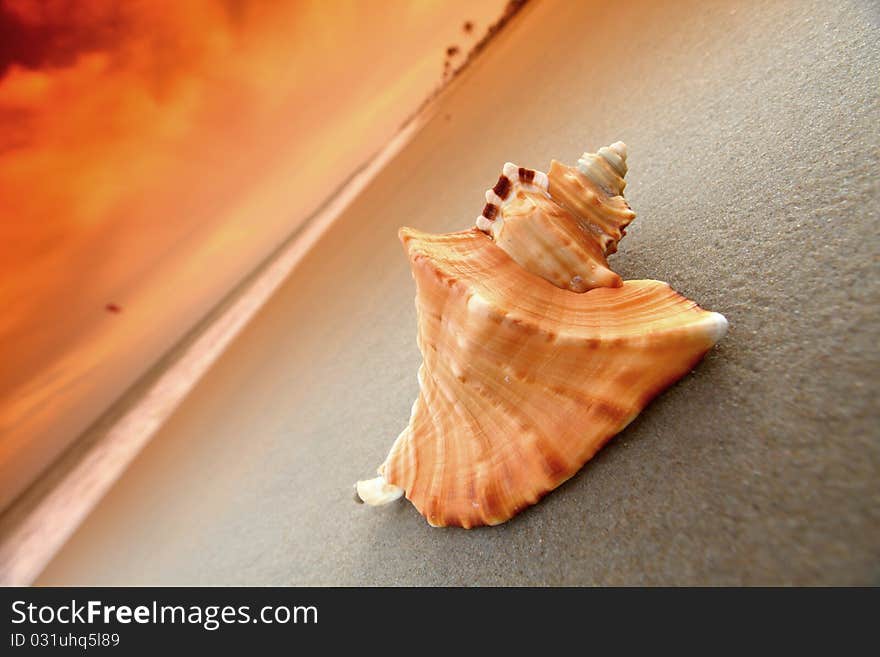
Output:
(152, 154)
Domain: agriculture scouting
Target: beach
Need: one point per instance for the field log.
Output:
(753, 153)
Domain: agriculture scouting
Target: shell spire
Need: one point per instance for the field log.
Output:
(523, 380)
(561, 225)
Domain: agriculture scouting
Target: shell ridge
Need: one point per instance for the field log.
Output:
(468, 409)
(472, 423)
(481, 413)
(476, 418)
(437, 440)
(593, 305)
(543, 422)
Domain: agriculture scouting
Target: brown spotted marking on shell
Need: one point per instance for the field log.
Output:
(512, 178)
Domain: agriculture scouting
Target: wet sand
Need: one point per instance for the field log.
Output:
(753, 160)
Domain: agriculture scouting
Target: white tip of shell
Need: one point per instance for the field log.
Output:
(620, 148)
(377, 492)
(484, 224)
(511, 170)
(717, 326)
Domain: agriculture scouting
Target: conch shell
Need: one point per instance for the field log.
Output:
(535, 352)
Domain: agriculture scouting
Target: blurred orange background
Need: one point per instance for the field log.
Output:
(154, 153)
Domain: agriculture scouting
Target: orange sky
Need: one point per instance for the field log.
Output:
(152, 153)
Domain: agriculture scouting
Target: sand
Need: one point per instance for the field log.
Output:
(753, 152)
